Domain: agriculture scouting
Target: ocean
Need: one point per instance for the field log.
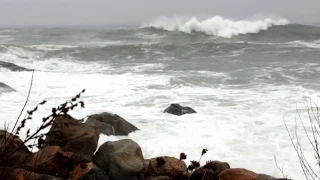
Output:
(244, 79)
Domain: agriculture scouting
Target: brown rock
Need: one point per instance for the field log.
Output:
(9, 143)
(51, 160)
(265, 177)
(159, 178)
(88, 171)
(209, 171)
(122, 159)
(111, 124)
(9, 173)
(73, 136)
(238, 174)
(166, 166)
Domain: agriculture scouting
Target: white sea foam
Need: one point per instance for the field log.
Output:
(243, 127)
(216, 26)
(51, 47)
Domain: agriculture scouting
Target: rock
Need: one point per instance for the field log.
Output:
(265, 177)
(122, 160)
(179, 110)
(8, 173)
(8, 144)
(210, 170)
(28, 175)
(5, 88)
(89, 171)
(238, 174)
(51, 160)
(166, 166)
(73, 136)
(159, 178)
(111, 124)
(13, 67)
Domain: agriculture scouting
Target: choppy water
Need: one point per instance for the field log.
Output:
(243, 79)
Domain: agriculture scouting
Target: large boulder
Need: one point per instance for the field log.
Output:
(122, 160)
(179, 110)
(238, 174)
(89, 171)
(12, 150)
(13, 67)
(51, 160)
(166, 166)
(73, 136)
(111, 124)
(210, 170)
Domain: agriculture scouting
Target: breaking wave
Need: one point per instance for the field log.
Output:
(215, 26)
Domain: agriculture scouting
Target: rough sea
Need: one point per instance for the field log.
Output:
(244, 78)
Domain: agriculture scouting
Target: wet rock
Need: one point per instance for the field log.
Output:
(237, 173)
(5, 88)
(166, 166)
(89, 171)
(122, 160)
(210, 170)
(51, 160)
(8, 144)
(179, 110)
(111, 124)
(13, 67)
(73, 136)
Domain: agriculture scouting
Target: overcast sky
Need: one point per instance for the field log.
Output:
(121, 12)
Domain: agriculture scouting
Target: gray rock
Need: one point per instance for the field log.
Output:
(122, 160)
(5, 88)
(110, 124)
(179, 110)
(13, 67)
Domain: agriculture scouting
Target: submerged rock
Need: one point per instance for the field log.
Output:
(111, 124)
(13, 67)
(122, 160)
(179, 110)
(5, 88)
(73, 136)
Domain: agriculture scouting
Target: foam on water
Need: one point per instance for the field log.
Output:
(216, 26)
(243, 127)
(240, 123)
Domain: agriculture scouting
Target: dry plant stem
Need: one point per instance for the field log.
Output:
(24, 106)
(278, 167)
(314, 121)
(61, 110)
(204, 175)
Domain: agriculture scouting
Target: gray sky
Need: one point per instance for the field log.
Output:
(121, 12)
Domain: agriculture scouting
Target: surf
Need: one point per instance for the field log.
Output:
(215, 26)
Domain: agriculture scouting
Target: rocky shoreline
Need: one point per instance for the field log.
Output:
(69, 151)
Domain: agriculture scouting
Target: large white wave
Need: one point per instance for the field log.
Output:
(216, 26)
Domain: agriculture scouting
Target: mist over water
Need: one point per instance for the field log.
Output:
(242, 77)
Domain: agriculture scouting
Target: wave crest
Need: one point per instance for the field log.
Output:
(215, 26)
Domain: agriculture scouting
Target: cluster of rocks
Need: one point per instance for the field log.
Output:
(69, 151)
